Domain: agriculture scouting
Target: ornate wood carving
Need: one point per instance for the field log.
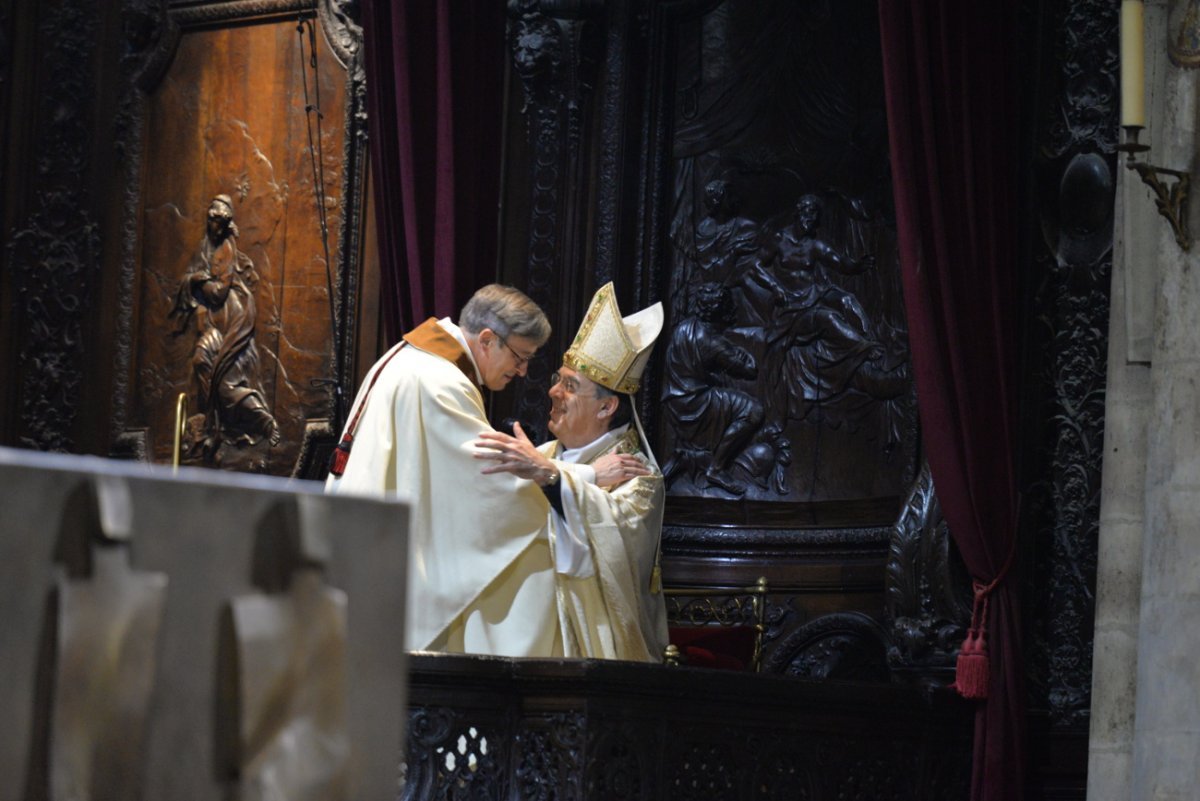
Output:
(341, 22)
(132, 444)
(149, 38)
(216, 315)
(555, 48)
(315, 449)
(786, 357)
(343, 31)
(1069, 269)
(549, 756)
(298, 363)
(614, 146)
(928, 601)
(654, 74)
(621, 767)
(452, 754)
(828, 570)
(842, 645)
(211, 12)
(54, 255)
(870, 778)
(585, 730)
(702, 768)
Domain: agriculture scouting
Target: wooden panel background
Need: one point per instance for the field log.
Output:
(229, 118)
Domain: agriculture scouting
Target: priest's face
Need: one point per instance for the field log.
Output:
(502, 359)
(578, 414)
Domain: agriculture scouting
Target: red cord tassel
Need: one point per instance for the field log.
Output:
(341, 455)
(971, 673)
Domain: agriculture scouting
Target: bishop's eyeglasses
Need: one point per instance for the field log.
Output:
(570, 385)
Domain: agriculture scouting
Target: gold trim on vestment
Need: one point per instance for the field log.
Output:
(432, 338)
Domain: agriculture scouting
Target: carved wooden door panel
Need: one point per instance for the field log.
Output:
(231, 302)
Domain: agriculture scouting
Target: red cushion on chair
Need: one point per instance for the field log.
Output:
(727, 647)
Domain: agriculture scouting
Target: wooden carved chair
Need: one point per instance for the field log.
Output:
(716, 626)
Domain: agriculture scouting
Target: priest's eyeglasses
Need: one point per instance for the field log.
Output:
(520, 360)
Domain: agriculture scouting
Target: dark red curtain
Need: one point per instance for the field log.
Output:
(953, 128)
(435, 85)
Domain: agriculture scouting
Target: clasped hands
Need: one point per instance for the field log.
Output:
(519, 456)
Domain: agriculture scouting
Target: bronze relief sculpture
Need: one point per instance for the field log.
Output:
(215, 301)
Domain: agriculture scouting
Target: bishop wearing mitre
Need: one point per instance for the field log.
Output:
(541, 552)
(604, 524)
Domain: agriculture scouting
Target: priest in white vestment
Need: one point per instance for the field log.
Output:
(604, 527)
(485, 576)
(479, 560)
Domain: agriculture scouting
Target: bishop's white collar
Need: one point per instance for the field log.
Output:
(594, 448)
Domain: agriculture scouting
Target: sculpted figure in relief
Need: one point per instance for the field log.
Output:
(216, 296)
(713, 420)
(820, 339)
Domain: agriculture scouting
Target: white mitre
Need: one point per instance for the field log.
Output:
(612, 350)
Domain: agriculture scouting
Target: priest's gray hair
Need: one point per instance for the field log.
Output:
(507, 311)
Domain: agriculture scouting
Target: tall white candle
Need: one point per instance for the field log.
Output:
(1133, 63)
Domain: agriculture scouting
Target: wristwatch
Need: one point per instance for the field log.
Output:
(553, 479)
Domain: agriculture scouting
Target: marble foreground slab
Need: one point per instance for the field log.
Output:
(203, 549)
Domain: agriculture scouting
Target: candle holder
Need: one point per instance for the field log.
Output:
(1171, 198)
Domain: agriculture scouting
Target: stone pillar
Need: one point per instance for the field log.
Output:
(1119, 568)
(1167, 715)
(1146, 678)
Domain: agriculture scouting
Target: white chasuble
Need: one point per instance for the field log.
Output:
(606, 606)
(481, 579)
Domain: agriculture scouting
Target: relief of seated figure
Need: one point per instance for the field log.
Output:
(712, 420)
(820, 339)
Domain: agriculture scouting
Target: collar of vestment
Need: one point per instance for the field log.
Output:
(430, 337)
(457, 332)
(620, 440)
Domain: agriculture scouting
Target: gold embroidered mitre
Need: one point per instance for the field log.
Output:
(611, 350)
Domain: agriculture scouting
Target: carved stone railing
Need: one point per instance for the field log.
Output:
(491, 728)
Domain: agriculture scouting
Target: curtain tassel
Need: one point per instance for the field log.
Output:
(972, 673)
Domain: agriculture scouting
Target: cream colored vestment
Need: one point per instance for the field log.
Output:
(482, 575)
(478, 554)
(606, 607)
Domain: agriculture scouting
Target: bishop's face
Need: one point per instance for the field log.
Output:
(578, 415)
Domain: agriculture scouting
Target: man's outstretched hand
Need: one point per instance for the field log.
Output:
(517, 455)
